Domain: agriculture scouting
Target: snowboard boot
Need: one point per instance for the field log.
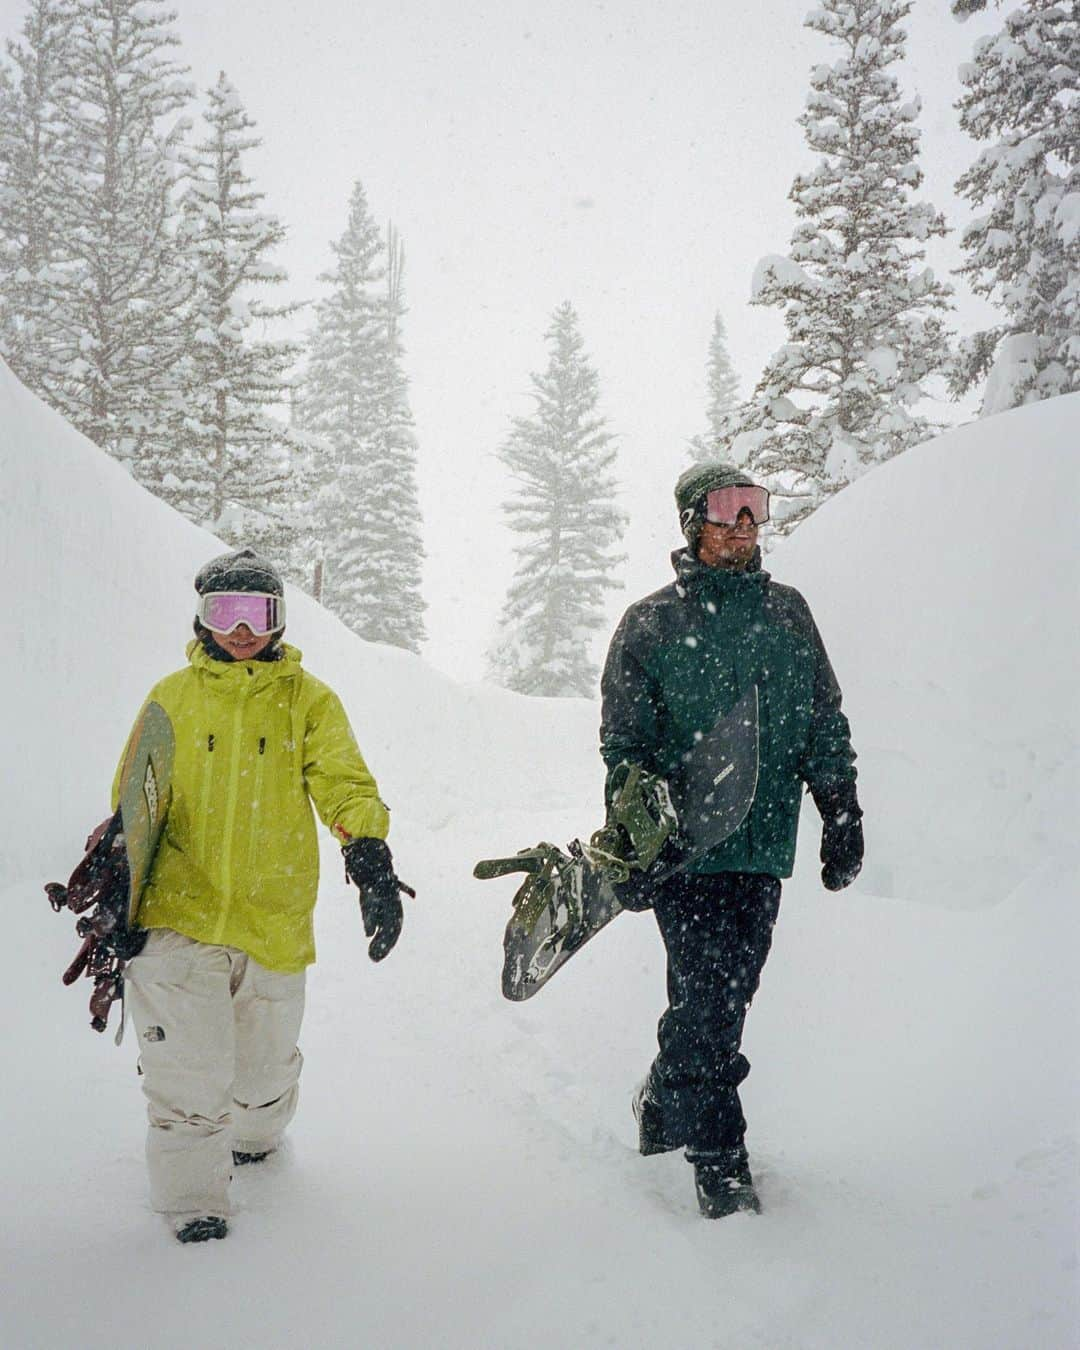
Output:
(202, 1230)
(241, 1159)
(649, 1114)
(724, 1185)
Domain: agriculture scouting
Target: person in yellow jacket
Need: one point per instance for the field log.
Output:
(216, 995)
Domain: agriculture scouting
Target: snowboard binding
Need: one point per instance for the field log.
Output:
(568, 896)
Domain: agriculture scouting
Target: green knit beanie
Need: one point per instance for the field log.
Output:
(693, 486)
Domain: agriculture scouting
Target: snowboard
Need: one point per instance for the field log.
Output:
(145, 780)
(106, 887)
(567, 898)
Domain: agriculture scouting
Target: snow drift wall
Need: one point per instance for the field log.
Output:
(946, 585)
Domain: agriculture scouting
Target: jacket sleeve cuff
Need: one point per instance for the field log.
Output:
(837, 799)
(368, 820)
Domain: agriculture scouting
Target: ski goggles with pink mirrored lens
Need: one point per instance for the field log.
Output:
(224, 611)
(723, 505)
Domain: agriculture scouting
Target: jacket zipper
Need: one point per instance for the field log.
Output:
(225, 871)
(260, 762)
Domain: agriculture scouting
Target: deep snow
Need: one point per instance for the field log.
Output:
(462, 1171)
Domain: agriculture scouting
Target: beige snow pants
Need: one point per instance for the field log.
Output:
(220, 1065)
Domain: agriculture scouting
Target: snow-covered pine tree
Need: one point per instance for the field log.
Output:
(566, 516)
(722, 386)
(861, 309)
(355, 400)
(237, 468)
(120, 304)
(722, 382)
(400, 604)
(1023, 96)
(32, 162)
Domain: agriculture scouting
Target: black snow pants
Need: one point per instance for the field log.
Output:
(717, 929)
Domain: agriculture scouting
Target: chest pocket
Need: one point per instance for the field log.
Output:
(700, 683)
(786, 679)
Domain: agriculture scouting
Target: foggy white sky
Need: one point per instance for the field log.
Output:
(632, 157)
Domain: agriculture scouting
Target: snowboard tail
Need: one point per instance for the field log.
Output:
(567, 897)
(107, 885)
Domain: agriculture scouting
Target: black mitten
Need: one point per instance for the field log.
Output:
(370, 867)
(841, 835)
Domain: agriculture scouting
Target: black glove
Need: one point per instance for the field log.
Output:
(370, 867)
(841, 835)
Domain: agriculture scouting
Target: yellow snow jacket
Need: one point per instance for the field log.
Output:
(238, 863)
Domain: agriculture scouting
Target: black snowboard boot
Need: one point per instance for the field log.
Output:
(652, 1137)
(724, 1185)
(244, 1159)
(202, 1230)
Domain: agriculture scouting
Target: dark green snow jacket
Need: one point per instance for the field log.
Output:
(682, 657)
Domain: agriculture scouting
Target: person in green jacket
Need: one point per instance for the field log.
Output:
(679, 660)
(216, 996)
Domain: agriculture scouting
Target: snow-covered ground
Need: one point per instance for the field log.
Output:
(462, 1172)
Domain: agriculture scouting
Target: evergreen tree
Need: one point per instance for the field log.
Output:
(722, 385)
(398, 607)
(237, 469)
(355, 399)
(1023, 96)
(120, 303)
(565, 513)
(32, 163)
(862, 312)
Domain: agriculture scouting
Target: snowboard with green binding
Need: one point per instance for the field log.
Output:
(655, 828)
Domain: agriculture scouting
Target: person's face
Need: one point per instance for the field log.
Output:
(242, 644)
(730, 546)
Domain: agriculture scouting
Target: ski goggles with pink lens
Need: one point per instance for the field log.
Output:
(224, 611)
(723, 505)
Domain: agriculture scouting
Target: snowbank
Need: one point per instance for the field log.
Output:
(946, 583)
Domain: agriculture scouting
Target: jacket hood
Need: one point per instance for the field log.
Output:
(287, 662)
(693, 575)
(218, 653)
